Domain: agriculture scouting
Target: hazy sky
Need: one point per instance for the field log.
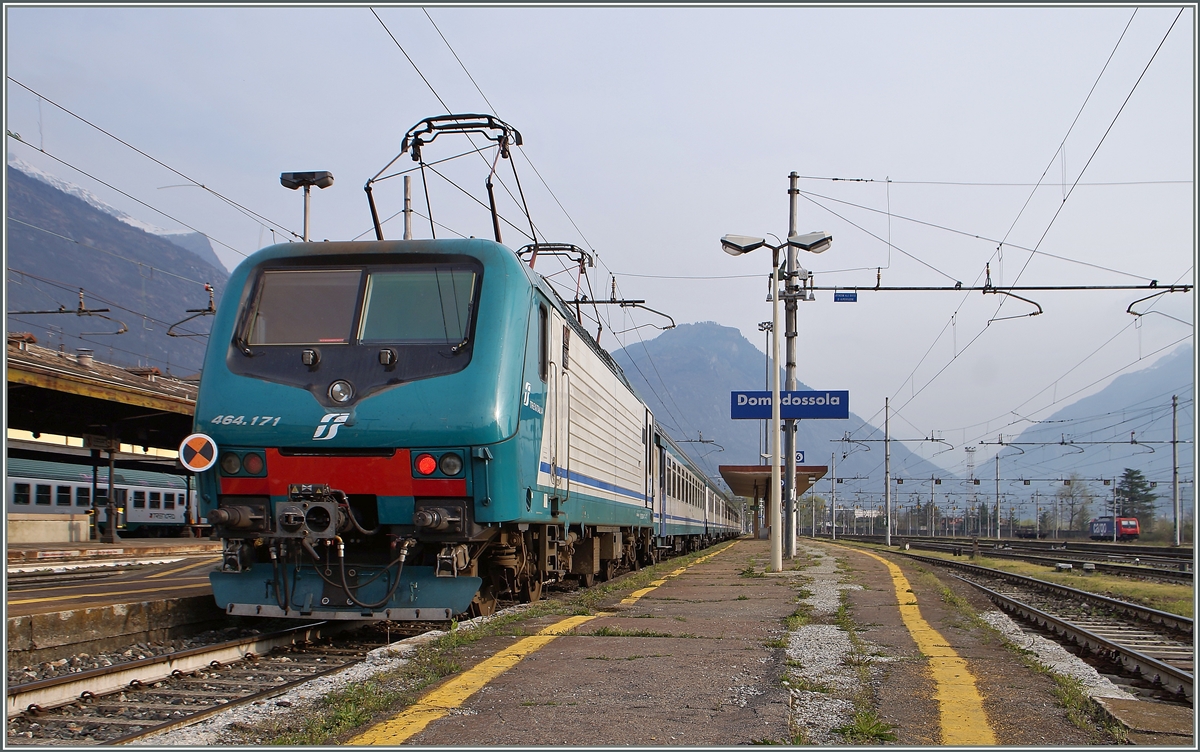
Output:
(659, 130)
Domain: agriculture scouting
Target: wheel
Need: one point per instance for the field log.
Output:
(531, 589)
(587, 580)
(484, 602)
(608, 570)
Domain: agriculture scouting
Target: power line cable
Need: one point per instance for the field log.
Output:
(1098, 145)
(1063, 203)
(110, 253)
(1068, 133)
(190, 180)
(975, 236)
(126, 195)
(991, 185)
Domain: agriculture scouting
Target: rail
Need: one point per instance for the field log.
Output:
(63, 690)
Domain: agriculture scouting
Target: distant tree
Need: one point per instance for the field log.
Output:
(1075, 502)
(1135, 497)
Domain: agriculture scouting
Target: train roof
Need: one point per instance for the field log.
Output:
(65, 472)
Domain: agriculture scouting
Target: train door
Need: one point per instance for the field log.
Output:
(660, 456)
(558, 407)
(710, 523)
(648, 441)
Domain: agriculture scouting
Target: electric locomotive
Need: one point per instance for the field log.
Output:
(410, 430)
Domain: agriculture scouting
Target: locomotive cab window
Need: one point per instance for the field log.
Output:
(304, 307)
(418, 305)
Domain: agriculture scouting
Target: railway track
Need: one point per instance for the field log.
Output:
(125, 702)
(1168, 565)
(1154, 648)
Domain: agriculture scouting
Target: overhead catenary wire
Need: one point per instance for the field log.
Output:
(73, 289)
(110, 253)
(493, 109)
(268, 222)
(1034, 251)
(964, 233)
(134, 198)
(1100, 143)
(412, 62)
(989, 184)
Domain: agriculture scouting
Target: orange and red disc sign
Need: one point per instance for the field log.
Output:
(198, 452)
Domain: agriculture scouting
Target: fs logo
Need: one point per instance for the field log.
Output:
(330, 423)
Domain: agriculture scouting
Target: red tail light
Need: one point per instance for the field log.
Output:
(426, 464)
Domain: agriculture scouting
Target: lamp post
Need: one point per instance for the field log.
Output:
(736, 245)
(306, 180)
(768, 327)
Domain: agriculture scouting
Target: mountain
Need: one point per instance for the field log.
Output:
(685, 375)
(61, 239)
(195, 242)
(1093, 437)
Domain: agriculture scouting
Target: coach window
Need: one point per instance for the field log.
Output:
(168, 501)
(101, 497)
(43, 495)
(63, 497)
(543, 342)
(156, 500)
(139, 499)
(21, 493)
(83, 496)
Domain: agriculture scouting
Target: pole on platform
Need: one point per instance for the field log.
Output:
(887, 474)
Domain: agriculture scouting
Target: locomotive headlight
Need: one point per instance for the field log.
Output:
(426, 464)
(231, 464)
(451, 464)
(252, 463)
(341, 391)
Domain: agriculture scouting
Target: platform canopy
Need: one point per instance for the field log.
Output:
(754, 481)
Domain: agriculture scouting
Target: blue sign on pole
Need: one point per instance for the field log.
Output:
(830, 405)
(845, 297)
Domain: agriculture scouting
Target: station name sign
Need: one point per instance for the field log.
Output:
(827, 405)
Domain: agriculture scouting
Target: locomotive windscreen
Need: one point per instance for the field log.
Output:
(430, 305)
(418, 304)
(305, 307)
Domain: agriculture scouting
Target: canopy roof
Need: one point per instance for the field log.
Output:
(753, 481)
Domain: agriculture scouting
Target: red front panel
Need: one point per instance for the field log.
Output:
(381, 476)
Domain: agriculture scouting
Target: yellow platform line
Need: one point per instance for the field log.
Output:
(413, 719)
(963, 719)
(209, 560)
(452, 694)
(636, 595)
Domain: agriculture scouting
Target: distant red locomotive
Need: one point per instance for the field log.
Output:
(1128, 528)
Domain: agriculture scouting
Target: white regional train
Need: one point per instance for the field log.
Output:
(148, 504)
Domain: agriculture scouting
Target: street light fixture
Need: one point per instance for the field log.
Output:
(737, 245)
(306, 180)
